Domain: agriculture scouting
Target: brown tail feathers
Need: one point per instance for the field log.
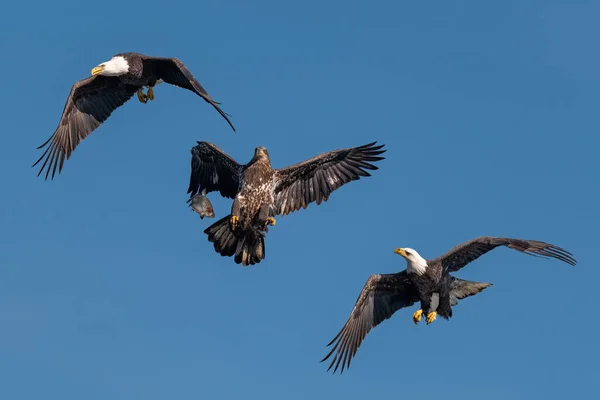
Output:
(248, 246)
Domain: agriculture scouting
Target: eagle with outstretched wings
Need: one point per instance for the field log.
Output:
(260, 192)
(427, 282)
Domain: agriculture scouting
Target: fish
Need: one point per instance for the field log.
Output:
(201, 205)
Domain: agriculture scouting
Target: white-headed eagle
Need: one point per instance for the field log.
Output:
(261, 192)
(92, 100)
(428, 282)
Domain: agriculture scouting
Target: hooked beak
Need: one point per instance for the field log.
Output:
(97, 69)
(400, 252)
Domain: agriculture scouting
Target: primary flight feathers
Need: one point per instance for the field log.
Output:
(427, 282)
(92, 100)
(261, 192)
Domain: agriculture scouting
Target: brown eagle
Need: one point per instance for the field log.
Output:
(261, 192)
(425, 281)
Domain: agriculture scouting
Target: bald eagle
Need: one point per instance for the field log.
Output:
(428, 282)
(92, 100)
(261, 192)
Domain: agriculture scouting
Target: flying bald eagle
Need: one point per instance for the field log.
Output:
(92, 100)
(261, 192)
(428, 282)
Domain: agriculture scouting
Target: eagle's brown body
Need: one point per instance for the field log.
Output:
(253, 203)
(260, 192)
(242, 233)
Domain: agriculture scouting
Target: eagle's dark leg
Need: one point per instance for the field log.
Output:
(444, 309)
(263, 216)
(235, 212)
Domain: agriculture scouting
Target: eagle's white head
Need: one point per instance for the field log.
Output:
(116, 66)
(415, 263)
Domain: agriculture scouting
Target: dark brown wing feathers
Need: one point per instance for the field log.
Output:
(380, 298)
(174, 72)
(466, 252)
(213, 169)
(90, 102)
(298, 185)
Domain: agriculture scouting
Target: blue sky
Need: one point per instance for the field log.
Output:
(110, 290)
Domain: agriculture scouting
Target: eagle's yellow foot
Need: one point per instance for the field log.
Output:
(271, 221)
(417, 316)
(142, 97)
(151, 93)
(234, 220)
(431, 317)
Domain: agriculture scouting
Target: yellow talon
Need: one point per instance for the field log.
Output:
(151, 93)
(234, 220)
(142, 97)
(417, 316)
(271, 221)
(431, 317)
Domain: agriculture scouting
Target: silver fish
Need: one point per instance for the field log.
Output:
(200, 204)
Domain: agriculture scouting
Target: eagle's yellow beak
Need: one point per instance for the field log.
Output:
(98, 69)
(400, 252)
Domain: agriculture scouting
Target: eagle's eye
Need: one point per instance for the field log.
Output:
(407, 252)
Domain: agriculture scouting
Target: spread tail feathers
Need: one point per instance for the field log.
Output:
(460, 288)
(248, 246)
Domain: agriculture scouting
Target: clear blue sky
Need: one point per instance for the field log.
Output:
(110, 290)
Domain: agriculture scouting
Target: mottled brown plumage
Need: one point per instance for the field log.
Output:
(256, 192)
(261, 192)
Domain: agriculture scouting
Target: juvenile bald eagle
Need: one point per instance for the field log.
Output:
(92, 100)
(261, 192)
(428, 282)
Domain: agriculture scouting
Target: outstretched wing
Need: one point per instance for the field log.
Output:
(299, 185)
(466, 252)
(174, 72)
(213, 170)
(380, 298)
(90, 103)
